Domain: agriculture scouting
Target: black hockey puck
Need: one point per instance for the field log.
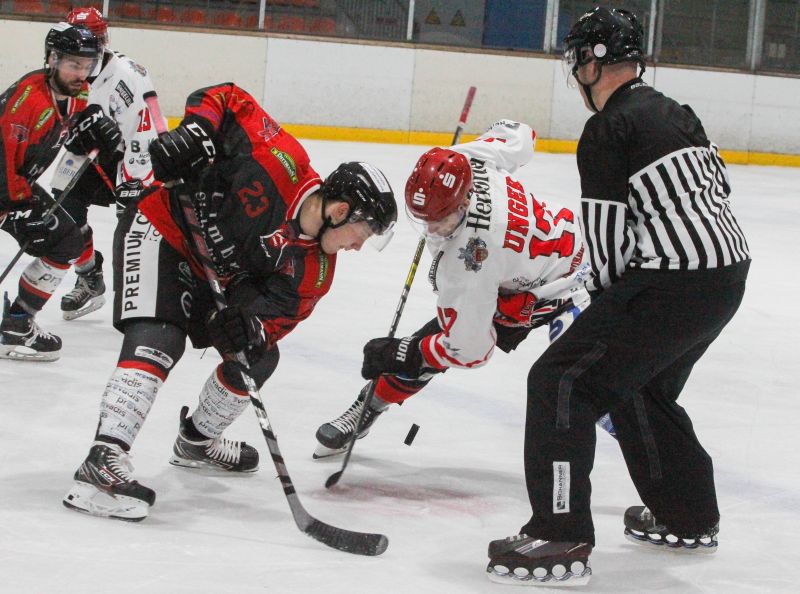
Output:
(412, 433)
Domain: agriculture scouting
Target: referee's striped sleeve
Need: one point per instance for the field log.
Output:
(609, 241)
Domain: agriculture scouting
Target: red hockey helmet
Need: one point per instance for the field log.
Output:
(436, 190)
(441, 179)
(92, 19)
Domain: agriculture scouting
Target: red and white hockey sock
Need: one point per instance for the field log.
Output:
(129, 394)
(220, 402)
(38, 282)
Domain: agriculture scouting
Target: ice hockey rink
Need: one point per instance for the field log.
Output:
(441, 500)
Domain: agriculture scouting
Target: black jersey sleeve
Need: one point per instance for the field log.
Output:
(603, 166)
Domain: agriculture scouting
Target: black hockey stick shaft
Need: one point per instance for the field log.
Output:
(90, 158)
(334, 478)
(358, 543)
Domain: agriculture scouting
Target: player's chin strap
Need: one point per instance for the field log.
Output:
(327, 221)
(587, 87)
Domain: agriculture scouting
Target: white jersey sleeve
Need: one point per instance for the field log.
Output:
(466, 284)
(507, 145)
(125, 92)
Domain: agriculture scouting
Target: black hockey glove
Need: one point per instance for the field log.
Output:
(129, 192)
(231, 330)
(32, 224)
(393, 356)
(92, 129)
(181, 152)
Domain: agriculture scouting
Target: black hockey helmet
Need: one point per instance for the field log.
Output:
(367, 191)
(72, 40)
(608, 35)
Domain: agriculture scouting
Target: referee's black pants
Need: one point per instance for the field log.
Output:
(630, 354)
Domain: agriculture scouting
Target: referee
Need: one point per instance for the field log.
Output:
(669, 263)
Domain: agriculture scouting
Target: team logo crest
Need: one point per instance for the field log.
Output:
(271, 128)
(474, 254)
(273, 244)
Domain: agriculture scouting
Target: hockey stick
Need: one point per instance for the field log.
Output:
(75, 176)
(334, 478)
(358, 543)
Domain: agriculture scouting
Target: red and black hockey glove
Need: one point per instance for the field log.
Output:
(92, 129)
(182, 152)
(232, 331)
(393, 356)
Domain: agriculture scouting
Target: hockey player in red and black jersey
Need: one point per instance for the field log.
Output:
(39, 113)
(273, 229)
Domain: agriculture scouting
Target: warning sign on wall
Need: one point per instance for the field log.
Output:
(453, 22)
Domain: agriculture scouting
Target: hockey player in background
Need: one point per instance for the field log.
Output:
(669, 264)
(503, 264)
(39, 114)
(122, 88)
(273, 229)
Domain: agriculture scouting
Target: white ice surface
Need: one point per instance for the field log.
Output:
(441, 500)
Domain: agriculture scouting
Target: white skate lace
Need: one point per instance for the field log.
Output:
(346, 423)
(224, 450)
(36, 332)
(119, 462)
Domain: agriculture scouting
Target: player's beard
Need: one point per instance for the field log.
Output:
(62, 88)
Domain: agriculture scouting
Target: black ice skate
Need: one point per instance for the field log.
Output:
(103, 486)
(22, 339)
(213, 454)
(87, 295)
(642, 527)
(334, 436)
(526, 561)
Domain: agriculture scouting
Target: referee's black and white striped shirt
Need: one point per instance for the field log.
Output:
(654, 189)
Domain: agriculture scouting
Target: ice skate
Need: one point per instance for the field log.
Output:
(334, 436)
(525, 561)
(87, 295)
(212, 454)
(642, 527)
(21, 338)
(103, 486)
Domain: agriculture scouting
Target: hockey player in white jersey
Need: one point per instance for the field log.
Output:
(122, 88)
(503, 264)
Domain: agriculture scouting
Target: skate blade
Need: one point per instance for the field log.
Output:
(16, 352)
(208, 468)
(501, 575)
(323, 452)
(663, 546)
(93, 304)
(88, 499)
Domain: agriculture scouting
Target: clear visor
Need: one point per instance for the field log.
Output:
(69, 65)
(442, 229)
(369, 232)
(572, 58)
